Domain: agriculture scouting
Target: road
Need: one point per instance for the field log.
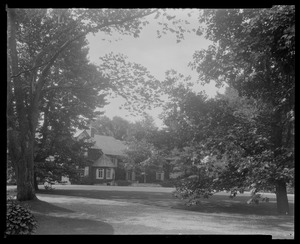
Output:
(145, 210)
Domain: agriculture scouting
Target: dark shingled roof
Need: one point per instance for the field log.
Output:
(108, 144)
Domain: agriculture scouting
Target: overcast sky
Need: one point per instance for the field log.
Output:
(157, 54)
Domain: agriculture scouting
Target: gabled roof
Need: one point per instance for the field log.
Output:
(82, 132)
(108, 144)
(104, 161)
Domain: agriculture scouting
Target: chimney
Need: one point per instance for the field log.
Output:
(93, 131)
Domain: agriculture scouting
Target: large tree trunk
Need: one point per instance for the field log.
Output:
(281, 193)
(25, 171)
(21, 134)
(281, 198)
(25, 185)
(21, 151)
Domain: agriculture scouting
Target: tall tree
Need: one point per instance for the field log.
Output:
(61, 109)
(254, 51)
(116, 127)
(143, 129)
(229, 147)
(36, 40)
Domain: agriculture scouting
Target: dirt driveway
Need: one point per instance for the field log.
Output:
(150, 210)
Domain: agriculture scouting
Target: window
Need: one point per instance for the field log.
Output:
(159, 176)
(100, 174)
(86, 171)
(109, 173)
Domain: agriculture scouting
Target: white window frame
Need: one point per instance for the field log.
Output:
(100, 175)
(109, 176)
(86, 171)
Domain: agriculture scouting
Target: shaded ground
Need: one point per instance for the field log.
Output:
(58, 220)
(152, 210)
(159, 196)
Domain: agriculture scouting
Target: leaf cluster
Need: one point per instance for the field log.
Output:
(229, 147)
(19, 219)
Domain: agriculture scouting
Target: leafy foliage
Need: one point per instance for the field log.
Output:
(137, 152)
(229, 147)
(131, 81)
(50, 79)
(19, 220)
(116, 127)
(61, 110)
(249, 133)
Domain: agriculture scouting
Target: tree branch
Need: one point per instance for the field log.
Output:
(45, 49)
(44, 73)
(62, 87)
(52, 59)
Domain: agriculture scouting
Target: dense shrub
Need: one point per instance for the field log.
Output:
(85, 180)
(19, 220)
(123, 183)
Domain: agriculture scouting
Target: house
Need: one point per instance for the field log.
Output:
(105, 154)
(152, 171)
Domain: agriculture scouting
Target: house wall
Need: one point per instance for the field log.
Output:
(120, 173)
(93, 171)
(130, 175)
(151, 176)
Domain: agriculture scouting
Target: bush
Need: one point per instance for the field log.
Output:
(84, 181)
(19, 220)
(123, 183)
(48, 186)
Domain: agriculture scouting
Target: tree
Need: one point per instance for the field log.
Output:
(137, 152)
(229, 145)
(254, 51)
(219, 154)
(116, 127)
(60, 110)
(143, 129)
(36, 40)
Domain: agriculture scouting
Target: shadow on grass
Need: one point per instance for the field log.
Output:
(215, 204)
(53, 220)
(237, 205)
(224, 208)
(43, 207)
(58, 225)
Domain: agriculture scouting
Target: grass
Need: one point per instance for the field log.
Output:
(60, 217)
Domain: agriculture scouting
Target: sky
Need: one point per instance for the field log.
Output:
(156, 54)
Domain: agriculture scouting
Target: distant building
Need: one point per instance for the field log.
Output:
(106, 154)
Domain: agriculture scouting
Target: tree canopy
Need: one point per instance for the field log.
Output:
(253, 52)
(47, 71)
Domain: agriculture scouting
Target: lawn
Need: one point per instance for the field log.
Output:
(153, 210)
